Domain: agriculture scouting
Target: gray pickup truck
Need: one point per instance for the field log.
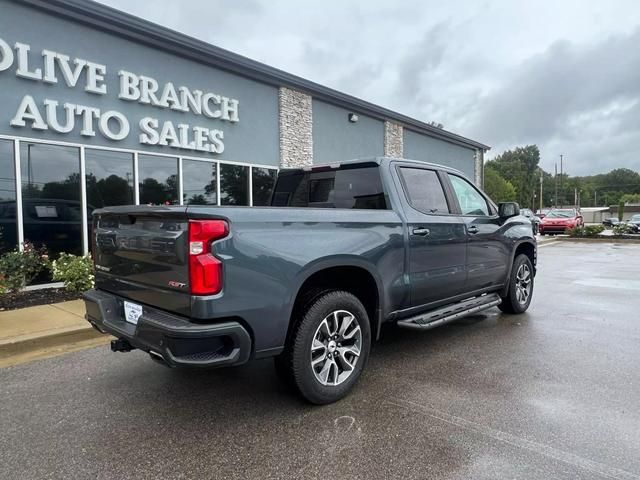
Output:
(344, 248)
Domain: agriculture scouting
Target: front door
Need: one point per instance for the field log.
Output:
(488, 257)
(436, 237)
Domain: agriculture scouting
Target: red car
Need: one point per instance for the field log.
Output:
(558, 221)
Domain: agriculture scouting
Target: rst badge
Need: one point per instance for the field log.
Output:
(174, 284)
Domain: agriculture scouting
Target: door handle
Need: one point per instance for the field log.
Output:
(423, 232)
(473, 229)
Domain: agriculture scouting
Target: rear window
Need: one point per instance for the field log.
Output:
(350, 187)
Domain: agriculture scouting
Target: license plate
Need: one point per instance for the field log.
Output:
(132, 312)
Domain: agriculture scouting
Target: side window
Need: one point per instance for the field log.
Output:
(424, 190)
(470, 200)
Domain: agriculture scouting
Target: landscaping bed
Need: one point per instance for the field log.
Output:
(32, 298)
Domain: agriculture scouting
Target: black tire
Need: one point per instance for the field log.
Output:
(514, 301)
(294, 364)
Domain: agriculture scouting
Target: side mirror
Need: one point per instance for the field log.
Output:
(508, 209)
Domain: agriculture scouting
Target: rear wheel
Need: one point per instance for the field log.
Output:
(520, 291)
(328, 349)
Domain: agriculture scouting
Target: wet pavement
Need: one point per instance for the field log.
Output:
(553, 393)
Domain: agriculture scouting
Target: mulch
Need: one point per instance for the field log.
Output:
(13, 301)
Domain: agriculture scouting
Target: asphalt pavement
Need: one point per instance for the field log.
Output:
(553, 393)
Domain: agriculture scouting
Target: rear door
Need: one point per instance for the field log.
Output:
(141, 254)
(436, 237)
(488, 255)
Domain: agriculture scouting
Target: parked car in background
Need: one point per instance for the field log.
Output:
(611, 222)
(634, 223)
(542, 213)
(560, 220)
(535, 221)
(343, 248)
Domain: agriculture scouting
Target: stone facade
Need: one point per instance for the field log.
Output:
(296, 128)
(393, 140)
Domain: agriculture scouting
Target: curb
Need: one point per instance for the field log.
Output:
(26, 344)
(607, 239)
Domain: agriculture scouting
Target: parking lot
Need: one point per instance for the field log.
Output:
(553, 393)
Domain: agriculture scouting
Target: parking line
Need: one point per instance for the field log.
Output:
(545, 450)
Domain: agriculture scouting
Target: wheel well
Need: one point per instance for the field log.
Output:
(355, 280)
(529, 250)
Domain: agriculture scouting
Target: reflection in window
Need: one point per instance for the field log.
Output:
(51, 197)
(158, 180)
(424, 190)
(470, 200)
(8, 228)
(352, 186)
(263, 179)
(109, 178)
(199, 183)
(234, 185)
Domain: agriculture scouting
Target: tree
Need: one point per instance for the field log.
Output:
(519, 167)
(630, 198)
(499, 189)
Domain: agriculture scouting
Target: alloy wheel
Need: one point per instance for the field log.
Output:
(523, 284)
(336, 347)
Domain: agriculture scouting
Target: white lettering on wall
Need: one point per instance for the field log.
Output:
(6, 55)
(23, 63)
(28, 110)
(55, 68)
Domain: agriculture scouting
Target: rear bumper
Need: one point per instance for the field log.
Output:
(553, 228)
(178, 341)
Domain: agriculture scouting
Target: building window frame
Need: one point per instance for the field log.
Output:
(136, 187)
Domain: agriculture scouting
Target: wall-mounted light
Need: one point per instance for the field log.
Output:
(353, 118)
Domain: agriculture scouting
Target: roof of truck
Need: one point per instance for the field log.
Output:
(378, 160)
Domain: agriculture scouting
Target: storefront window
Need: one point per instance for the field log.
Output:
(158, 179)
(8, 228)
(109, 178)
(51, 208)
(199, 183)
(234, 185)
(263, 180)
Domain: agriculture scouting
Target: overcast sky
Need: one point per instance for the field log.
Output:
(558, 73)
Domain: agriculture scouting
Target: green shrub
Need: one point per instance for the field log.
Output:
(622, 229)
(586, 231)
(593, 230)
(75, 271)
(19, 268)
(575, 231)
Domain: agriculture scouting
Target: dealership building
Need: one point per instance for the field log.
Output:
(101, 108)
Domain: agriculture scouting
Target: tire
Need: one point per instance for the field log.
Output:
(339, 362)
(520, 291)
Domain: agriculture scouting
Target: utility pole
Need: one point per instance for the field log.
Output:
(555, 200)
(595, 198)
(561, 190)
(540, 191)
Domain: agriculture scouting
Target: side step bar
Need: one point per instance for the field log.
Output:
(449, 313)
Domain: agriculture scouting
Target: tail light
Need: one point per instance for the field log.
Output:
(205, 270)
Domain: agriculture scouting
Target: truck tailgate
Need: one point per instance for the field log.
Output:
(141, 254)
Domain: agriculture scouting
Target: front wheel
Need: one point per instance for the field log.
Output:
(520, 291)
(328, 349)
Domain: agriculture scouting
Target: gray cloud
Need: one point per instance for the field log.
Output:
(563, 75)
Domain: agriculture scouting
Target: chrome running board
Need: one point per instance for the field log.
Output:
(449, 313)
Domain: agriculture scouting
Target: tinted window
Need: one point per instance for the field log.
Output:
(470, 200)
(263, 181)
(424, 190)
(234, 185)
(51, 197)
(109, 177)
(158, 178)
(8, 230)
(199, 183)
(348, 187)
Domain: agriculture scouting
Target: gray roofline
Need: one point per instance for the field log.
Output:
(158, 37)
